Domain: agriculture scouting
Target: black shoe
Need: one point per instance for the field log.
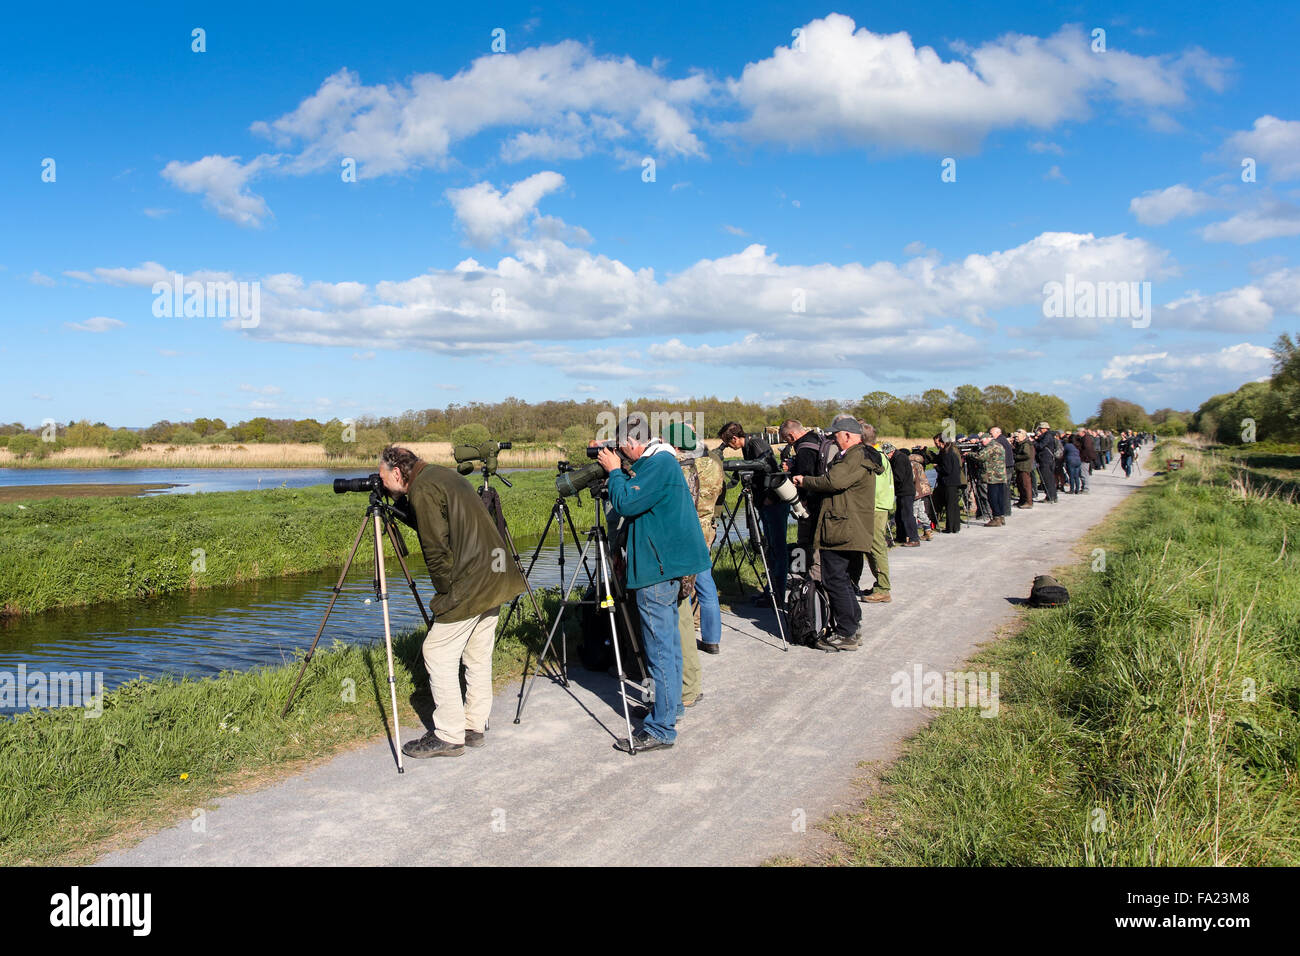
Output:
(644, 740)
(430, 745)
(709, 648)
(475, 738)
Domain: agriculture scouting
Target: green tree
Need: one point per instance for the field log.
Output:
(123, 441)
(470, 434)
(23, 445)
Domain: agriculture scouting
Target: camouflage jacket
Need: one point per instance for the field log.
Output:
(709, 473)
(993, 464)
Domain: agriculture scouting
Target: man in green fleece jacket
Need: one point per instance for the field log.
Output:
(664, 544)
(473, 575)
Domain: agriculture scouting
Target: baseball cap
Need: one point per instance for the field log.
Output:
(845, 423)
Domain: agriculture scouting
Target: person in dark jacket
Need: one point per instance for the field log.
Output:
(846, 527)
(1073, 464)
(904, 496)
(803, 455)
(664, 545)
(950, 476)
(1025, 452)
(773, 513)
(465, 556)
(1043, 440)
(1009, 453)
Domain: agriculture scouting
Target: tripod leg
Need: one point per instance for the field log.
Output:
(568, 516)
(410, 581)
(526, 683)
(293, 691)
(608, 603)
(537, 608)
(532, 562)
(724, 539)
(388, 641)
(751, 518)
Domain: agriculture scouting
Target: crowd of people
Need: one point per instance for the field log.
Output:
(664, 495)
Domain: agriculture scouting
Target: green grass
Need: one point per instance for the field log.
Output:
(73, 786)
(1154, 721)
(61, 552)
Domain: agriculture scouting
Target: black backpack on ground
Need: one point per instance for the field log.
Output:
(1048, 592)
(808, 611)
(597, 650)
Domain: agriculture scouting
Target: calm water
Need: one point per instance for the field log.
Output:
(201, 633)
(188, 480)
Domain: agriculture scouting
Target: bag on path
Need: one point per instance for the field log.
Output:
(1048, 592)
(808, 611)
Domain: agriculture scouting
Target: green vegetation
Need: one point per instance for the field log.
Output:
(72, 786)
(1258, 411)
(1153, 721)
(59, 552)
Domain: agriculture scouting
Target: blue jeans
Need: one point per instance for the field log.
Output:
(710, 609)
(657, 604)
(775, 519)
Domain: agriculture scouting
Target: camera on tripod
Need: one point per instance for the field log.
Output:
(572, 479)
(486, 452)
(366, 485)
(776, 482)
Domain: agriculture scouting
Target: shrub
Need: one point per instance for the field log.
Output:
(185, 436)
(471, 434)
(122, 441)
(24, 445)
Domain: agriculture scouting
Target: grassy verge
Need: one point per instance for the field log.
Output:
(1153, 721)
(60, 552)
(72, 787)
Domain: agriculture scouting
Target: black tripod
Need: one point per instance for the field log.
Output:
(606, 598)
(755, 526)
(492, 501)
(378, 512)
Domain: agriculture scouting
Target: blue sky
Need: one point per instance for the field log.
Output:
(500, 237)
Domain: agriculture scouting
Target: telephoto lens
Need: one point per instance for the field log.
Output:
(786, 491)
(365, 485)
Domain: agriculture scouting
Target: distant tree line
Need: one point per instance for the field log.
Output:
(570, 423)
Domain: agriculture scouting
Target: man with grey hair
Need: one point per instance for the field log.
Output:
(664, 545)
(845, 528)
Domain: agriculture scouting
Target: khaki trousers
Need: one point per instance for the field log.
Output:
(692, 678)
(878, 556)
(446, 646)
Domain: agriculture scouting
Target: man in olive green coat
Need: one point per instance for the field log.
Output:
(474, 575)
(846, 527)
